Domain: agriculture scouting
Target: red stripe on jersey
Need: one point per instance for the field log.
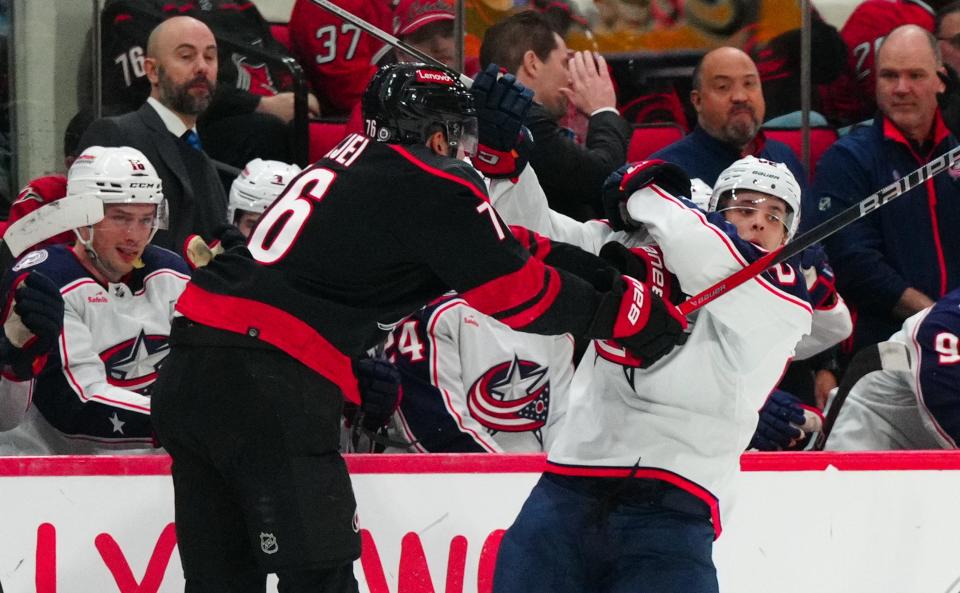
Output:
(438, 173)
(538, 245)
(537, 309)
(508, 291)
(276, 327)
(649, 473)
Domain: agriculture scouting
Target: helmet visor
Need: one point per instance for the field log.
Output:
(748, 204)
(116, 216)
(462, 136)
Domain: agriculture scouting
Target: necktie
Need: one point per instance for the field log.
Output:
(191, 138)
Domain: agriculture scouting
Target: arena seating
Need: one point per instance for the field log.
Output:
(820, 140)
(649, 138)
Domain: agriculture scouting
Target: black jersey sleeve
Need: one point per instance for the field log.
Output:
(452, 227)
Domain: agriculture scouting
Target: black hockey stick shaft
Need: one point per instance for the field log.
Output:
(389, 39)
(823, 230)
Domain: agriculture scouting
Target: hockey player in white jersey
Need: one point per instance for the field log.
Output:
(630, 500)
(473, 385)
(523, 203)
(92, 393)
(904, 393)
(252, 192)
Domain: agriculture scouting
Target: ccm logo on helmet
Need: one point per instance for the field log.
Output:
(144, 185)
(434, 76)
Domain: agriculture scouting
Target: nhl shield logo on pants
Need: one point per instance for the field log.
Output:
(268, 543)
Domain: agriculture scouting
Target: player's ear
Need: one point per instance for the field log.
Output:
(695, 99)
(437, 142)
(150, 69)
(530, 63)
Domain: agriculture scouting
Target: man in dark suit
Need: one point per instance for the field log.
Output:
(571, 175)
(181, 65)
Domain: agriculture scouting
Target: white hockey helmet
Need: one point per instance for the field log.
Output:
(117, 175)
(760, 175)
(258, 185)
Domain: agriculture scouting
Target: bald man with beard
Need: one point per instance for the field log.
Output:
(181, 64)
(728, 98)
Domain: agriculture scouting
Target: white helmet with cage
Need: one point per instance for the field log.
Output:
(760, 175)
(258, 185)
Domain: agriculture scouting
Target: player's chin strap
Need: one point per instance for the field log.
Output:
(97, 261)
(87, 245)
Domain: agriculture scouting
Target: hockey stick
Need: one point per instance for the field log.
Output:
(885, 356)
(822, 230)
(51, 219)
(389, 39)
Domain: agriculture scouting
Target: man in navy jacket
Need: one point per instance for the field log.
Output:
(728, 98)
(896, 262)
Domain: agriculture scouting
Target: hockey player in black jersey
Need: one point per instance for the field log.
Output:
(249, 401)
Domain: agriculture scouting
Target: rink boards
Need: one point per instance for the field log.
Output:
(844, 523)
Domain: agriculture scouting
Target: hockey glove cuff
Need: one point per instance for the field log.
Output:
(504, 164)
(228, 237)
(380, 391)
(621, 184)
(639, 320)
(645, 264)
(821, 283)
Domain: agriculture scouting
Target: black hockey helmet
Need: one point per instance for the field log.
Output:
(406, 102)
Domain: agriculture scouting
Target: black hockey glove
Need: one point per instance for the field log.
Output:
(639, 320)
(228, 236)
(502, 104)
(646, 265)
(40, 308)
(380, 391)
(784, 423)
(621, 184)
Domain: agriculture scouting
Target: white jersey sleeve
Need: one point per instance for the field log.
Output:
(524, 204)
(830, 326)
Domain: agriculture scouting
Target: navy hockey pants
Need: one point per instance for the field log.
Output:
(570, 539)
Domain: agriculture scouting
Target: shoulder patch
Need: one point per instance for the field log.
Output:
(31, 259)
